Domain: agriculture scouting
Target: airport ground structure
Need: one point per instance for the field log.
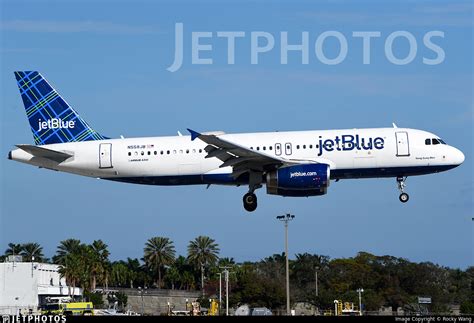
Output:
(161, 281)
(25, 286)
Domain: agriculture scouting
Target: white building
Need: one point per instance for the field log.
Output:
(24, 286)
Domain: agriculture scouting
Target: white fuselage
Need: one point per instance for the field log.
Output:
(177, 160)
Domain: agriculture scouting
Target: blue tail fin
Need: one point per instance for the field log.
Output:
(52, 120)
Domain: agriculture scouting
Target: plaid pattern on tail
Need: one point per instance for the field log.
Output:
(52, 120)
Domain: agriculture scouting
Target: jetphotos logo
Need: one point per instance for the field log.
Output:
(56, 123)
(33, 318)
(206, 46)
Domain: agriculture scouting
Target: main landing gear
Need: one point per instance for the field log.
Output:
(250, 199)
(401, 187)
(250, 202)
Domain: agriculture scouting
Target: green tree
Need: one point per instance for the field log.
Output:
(119, 274)
(30, 250)
(13, 249)
(99, 261)
(66, 247)
(202, 252)
(159, 252)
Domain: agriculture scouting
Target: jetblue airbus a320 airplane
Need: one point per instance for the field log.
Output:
(299, 163)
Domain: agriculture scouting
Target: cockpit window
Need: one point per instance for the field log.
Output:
(435, 141)
(428, 141)
(442, 141)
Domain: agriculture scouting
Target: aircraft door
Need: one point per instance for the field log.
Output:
(105, 156)
(403, 146)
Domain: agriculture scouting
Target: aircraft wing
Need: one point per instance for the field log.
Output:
(242, 159)
(57, 156)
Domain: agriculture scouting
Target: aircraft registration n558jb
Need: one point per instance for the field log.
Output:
(297, 163)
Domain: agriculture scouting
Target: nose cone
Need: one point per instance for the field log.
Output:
(457, 156)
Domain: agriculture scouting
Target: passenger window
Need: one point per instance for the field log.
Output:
(251, 148)
(167, 152)
(155, 152)
(143, 153)
(174, 151)
(187, 151)
(149, 152)
(258, 148)
(161, 152)
(428, 141)
(271, 147)
(194, 151)
(129, 153)
(264, 148)
(304, 146)
(310, 146)
(435, 141)
(297, 146)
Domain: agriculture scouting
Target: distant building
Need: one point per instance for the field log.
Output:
(24, 286)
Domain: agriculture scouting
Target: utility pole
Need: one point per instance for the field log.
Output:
(226, 278)
(286, 218)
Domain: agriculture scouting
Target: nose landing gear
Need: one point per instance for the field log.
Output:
(404, 197)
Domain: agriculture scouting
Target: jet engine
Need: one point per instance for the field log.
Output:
(299, 180)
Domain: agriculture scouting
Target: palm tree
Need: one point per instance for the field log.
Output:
(73, 271)
(13, 249)
(66, 247)
(99, 255)
(120, 274)
(159, 251)
(202, 252)
(173, 276)
(32, 249)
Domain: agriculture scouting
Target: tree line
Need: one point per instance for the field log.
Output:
(314, 279)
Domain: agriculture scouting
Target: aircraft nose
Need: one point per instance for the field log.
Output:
(458, 156)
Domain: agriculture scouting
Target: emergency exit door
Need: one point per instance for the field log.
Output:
(403, 146)
(105, 156)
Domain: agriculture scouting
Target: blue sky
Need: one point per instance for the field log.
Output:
(109, 60)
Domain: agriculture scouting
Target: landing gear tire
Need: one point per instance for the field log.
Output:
(404, 197)
(250, 202)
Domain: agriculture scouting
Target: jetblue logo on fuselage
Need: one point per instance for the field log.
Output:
(56, 123)
(349, 142)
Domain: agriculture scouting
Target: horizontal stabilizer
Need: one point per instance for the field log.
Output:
(41, 152)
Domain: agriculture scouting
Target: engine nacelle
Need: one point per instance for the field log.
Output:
(299, 180)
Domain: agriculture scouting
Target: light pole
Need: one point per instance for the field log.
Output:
(286, 218)
(141, 291)
(360, 291)
(220, 292)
